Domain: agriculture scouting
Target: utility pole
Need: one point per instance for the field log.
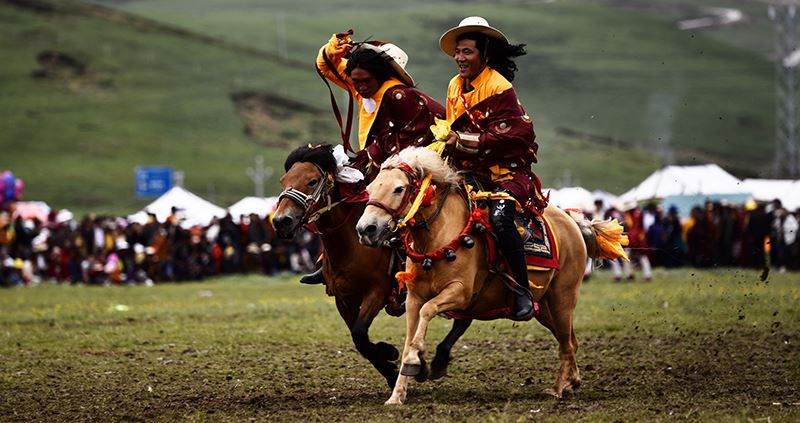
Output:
(258, 174)
(785, 16)
(280, 26)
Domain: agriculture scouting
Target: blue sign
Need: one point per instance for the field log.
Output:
(152, 181)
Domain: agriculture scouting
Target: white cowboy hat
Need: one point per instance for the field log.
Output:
(395, 56)
(447, 42)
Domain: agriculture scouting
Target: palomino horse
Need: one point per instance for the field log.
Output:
(466, 284)
(357, 276)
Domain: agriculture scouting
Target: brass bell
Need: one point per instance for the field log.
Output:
(450, 255)
(467, 241)
(427, 264)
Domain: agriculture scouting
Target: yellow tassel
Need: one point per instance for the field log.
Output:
(440, 129)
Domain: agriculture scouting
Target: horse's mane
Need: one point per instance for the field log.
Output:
(321, 155)
(425, 162)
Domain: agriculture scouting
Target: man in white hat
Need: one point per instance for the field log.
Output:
(492, 138)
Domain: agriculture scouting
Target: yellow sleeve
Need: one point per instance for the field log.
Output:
(335, 49)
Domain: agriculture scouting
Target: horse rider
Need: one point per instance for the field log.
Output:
(492, 139)
(392, 113)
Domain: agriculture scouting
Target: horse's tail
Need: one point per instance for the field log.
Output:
(604, 238)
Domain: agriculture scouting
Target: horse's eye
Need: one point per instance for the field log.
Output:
(399, 190)
(312, 183)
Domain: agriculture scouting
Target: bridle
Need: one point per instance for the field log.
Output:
(412, 191)
(308, 201)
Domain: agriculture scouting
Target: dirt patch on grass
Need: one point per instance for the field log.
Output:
(693, 375)
(65, 70)
(264, 114)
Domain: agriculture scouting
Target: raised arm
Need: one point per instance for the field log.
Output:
(335, 50)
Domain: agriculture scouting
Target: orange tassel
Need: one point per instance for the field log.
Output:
(611, 239)
(405, 279)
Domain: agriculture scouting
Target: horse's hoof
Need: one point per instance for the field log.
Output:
(392, 401)
(437, 372)
(410, 369)
(424, 372)
(387, 352)
(438, 368)
(552, 393)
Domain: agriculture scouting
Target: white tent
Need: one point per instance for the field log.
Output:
(261, 206)
(571, 198)
(193, 209)
(787, 190)
(701, 180)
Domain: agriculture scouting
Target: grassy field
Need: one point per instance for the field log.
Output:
(691, 345)
(615, 91)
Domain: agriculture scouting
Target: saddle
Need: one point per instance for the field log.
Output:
(539, 241)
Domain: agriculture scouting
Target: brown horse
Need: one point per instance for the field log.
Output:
(357, 276)
(466, 284)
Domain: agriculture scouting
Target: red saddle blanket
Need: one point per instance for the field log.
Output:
(541, 245)
(539, 241)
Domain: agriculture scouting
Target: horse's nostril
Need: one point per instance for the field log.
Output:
(284, 222)
(370, 229)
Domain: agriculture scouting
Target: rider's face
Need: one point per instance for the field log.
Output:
(364, 82)
(469, 60)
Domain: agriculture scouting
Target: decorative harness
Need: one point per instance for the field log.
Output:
(308, 201)
(422, 192)
(414, 190)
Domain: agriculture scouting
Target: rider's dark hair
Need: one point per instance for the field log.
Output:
(499, 55)
(372, 62)
(321, 154)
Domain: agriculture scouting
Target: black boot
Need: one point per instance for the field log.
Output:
(502, 220)
(316, 278)
(523, 300)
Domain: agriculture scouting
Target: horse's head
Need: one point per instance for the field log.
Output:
(309, 176)
(394, 189)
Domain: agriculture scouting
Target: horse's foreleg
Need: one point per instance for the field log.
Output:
(413, 305)
(442, 358)
(449, 298)
(381, 355)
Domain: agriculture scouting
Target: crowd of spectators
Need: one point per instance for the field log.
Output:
(106, 250)
(754, 235)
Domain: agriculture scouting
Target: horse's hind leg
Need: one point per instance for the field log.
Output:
(557, 316)
(381, 355)
(442, 358)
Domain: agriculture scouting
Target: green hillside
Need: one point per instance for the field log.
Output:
(605, 72)
(615, 92)
(144, 98)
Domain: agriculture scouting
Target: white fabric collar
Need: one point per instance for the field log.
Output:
(369, 105)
